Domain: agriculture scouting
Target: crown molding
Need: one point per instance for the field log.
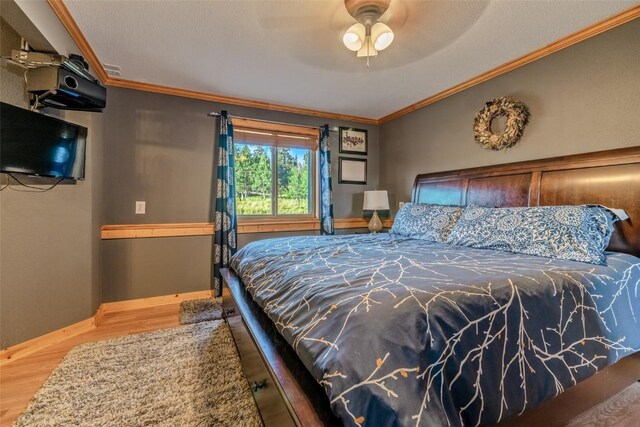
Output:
(206, 96)
(70, 24)
(74, 31)
(584, 34)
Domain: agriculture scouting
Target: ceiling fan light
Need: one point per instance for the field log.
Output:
(382, 36)
(383, 41)
(353, 37)
(352, 41)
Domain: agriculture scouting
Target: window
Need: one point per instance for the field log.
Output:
(274, 170)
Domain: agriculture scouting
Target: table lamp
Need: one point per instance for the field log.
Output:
(374, 201)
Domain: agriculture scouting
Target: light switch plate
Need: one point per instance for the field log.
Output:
(141, 208)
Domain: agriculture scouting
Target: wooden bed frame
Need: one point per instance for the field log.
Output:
(610, 178)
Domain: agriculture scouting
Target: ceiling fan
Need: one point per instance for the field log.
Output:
(368, 36)
(312, 31)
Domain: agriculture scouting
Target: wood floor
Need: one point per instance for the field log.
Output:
(622, 410)
(20, 379)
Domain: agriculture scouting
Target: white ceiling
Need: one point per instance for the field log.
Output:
(291, 53)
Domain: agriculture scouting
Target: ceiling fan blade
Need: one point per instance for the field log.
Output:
(289, 22)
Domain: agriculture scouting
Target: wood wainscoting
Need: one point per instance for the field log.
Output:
(142, 231)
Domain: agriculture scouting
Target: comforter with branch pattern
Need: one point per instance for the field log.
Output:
(404, 332)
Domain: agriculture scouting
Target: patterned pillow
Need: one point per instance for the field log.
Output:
(576, 233)
(426, 222)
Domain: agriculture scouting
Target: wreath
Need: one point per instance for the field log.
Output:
(517, 115)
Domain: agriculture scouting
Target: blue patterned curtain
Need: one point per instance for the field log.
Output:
(326, 197)
(225, 237)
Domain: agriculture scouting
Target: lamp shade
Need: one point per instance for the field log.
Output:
(375, 200)
(354, 36)
(381, 35)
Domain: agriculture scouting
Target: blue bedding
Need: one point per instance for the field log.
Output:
(404, 332)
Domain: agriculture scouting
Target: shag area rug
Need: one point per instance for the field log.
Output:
(185, 376)
(200, 310)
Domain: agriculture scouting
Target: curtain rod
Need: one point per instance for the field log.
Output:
(215, 114)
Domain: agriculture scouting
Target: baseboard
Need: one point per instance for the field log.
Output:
(23, 349)
(134, 304)
(18, 351)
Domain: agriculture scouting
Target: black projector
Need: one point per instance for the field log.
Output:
(59, 88)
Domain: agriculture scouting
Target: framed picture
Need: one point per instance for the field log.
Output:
(353, 141)
(352, 170)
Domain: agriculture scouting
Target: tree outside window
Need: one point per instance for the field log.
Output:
(272, 180)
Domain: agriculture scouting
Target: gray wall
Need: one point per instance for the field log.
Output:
(160, 149)
(584, 98)
(49, 242)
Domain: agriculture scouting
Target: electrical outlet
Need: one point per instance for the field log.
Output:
(141, 208)
(400, 205)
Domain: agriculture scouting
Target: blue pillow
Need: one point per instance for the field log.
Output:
(577, 233)
(426, 222)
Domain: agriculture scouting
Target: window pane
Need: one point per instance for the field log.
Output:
(293, 181)
(253, 179)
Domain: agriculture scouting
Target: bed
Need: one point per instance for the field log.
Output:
(385, 330)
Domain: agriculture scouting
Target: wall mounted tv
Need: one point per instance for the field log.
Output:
(34, 144)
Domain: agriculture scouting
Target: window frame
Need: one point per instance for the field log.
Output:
(259, 125)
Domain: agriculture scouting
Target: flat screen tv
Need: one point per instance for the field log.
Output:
(34, 144)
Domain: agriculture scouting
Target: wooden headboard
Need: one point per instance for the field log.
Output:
(610, 178)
